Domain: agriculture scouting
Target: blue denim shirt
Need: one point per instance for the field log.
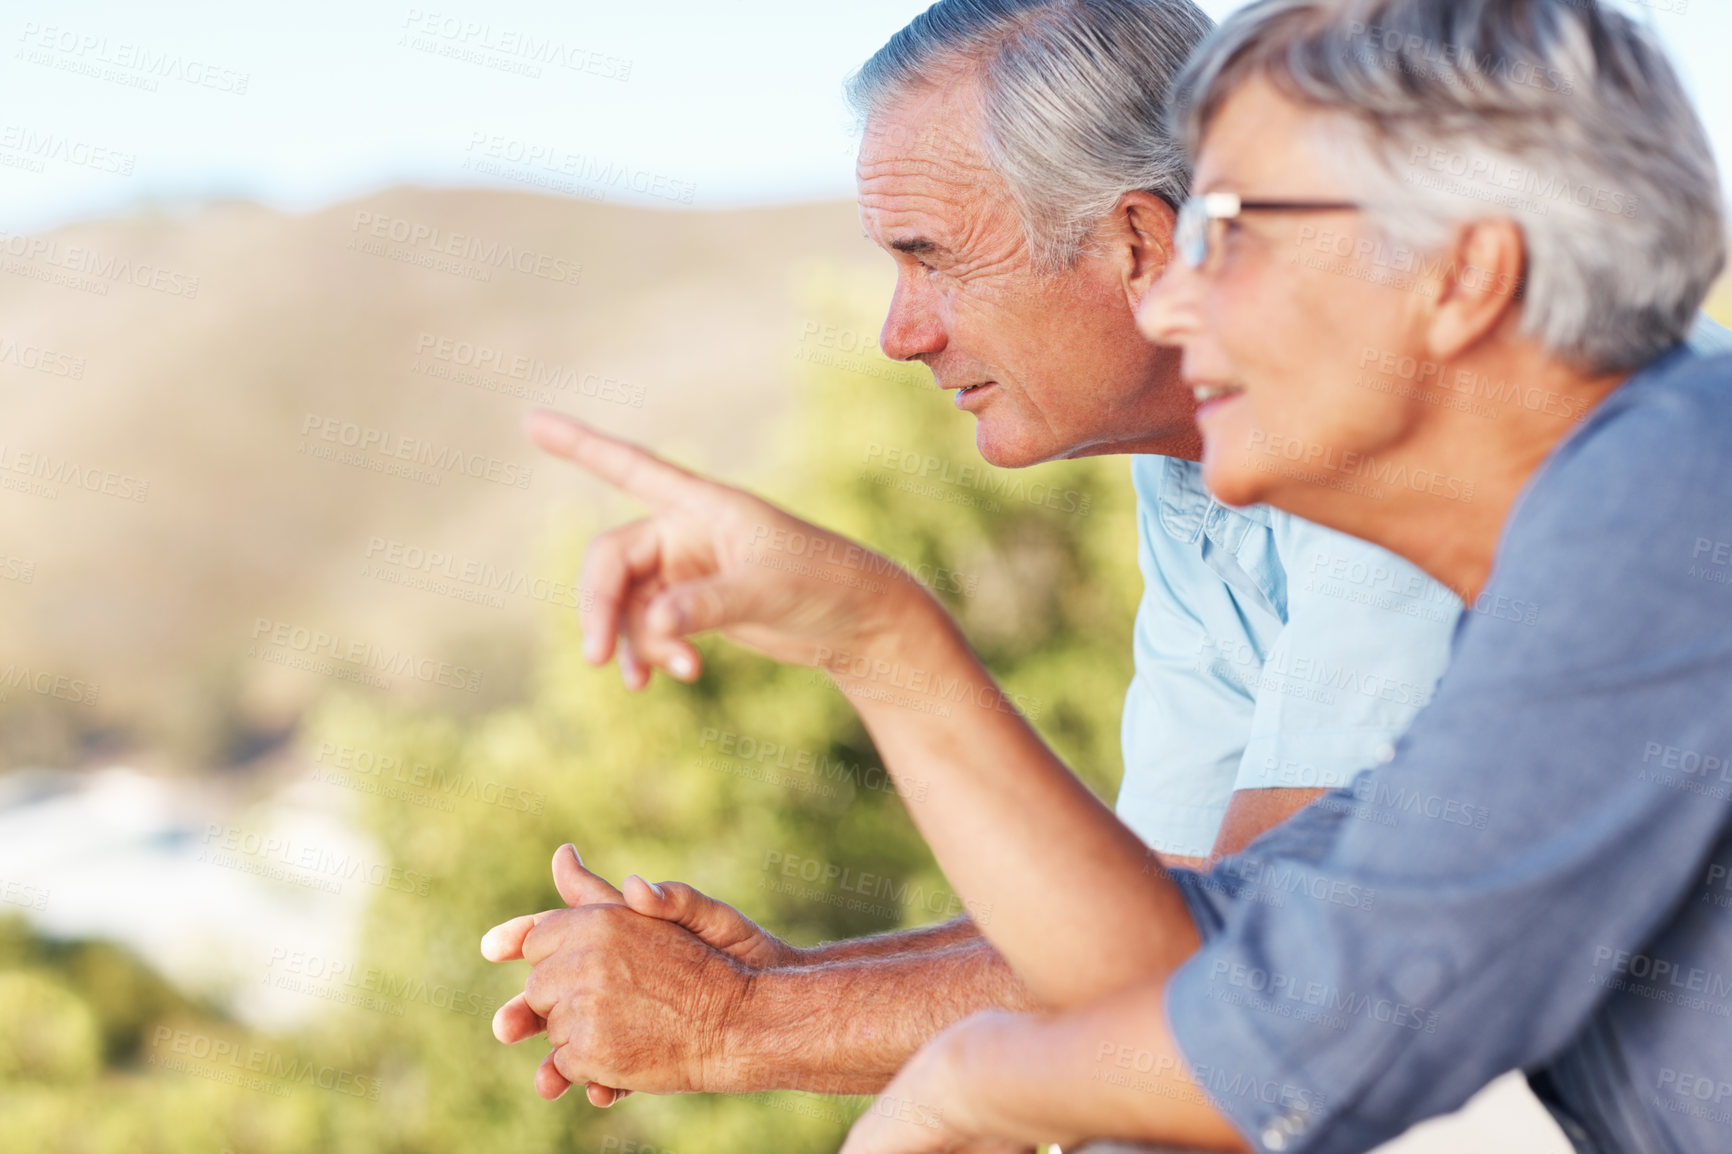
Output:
(1541, 877)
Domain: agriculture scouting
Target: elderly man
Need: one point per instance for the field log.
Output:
(1017, 166)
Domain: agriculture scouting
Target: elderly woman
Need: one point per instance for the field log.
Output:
(1509, 205)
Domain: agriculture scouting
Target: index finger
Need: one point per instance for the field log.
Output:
(622, 464)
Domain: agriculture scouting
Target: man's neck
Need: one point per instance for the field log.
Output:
(1184, 442)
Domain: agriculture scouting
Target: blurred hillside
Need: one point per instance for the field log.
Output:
(158, 375)
(352, 883)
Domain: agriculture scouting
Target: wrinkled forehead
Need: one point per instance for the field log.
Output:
(921, 156)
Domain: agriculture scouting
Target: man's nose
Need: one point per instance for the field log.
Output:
(1169, 313)
(913, 328)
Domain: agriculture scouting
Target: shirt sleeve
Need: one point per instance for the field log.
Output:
(1188, 708)
(1450, 916)
(1367, 636)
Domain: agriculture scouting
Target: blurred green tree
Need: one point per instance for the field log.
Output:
(1040, 566)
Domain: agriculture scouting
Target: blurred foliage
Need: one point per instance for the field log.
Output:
(1046, 593)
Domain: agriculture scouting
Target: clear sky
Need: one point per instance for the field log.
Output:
(105, 104)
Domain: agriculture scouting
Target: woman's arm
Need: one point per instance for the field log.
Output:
(1064, 890)
(1110, 1070)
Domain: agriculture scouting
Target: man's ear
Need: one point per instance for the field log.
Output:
(1146, 230)
(1479, 289)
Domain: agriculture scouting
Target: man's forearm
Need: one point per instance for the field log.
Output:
(897, 943)
(1070, 895)
(846, 1027)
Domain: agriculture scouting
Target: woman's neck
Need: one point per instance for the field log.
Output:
(1452, 484)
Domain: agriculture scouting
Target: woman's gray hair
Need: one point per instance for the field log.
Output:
(1073, 108)
(1563, 115)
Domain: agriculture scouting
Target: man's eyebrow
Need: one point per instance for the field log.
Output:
(914, 246)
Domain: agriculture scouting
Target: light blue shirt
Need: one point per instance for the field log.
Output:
(1270, 653)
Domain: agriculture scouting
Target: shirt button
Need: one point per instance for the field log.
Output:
(1275, 1135)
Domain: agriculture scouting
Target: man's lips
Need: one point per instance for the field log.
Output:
(966, 394)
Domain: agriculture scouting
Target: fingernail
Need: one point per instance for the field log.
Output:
(683, 666)
(659, 892)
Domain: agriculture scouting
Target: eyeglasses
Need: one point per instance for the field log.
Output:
(1203, 219)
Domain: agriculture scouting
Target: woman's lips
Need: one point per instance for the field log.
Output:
(1210, 394)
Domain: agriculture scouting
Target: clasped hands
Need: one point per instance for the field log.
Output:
(643, 986)
(633, 986)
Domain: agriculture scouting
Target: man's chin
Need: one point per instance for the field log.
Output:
(1010, 448)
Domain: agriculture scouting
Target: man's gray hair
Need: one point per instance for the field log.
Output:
(1563, 115)
(1072, 94)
